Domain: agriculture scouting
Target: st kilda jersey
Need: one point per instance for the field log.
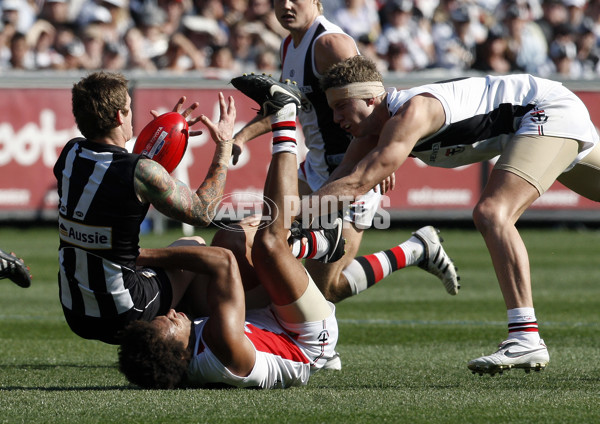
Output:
(482, 113)
(325, 140)
(99, 221)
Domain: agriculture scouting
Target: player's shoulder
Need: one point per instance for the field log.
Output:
(335, 40)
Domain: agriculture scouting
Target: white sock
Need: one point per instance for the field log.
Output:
(356, 277)
(413, 250)
(522, 325)
(283, 126)
(315, 248)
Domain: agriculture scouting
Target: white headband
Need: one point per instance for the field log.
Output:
(354, 90)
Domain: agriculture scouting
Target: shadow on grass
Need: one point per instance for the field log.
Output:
(67, 389)
(50, 367)
(53, 366)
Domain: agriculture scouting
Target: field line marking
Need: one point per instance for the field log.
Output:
(458, 323)
(392, 322)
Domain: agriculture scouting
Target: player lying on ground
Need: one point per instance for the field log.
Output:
(275, 347)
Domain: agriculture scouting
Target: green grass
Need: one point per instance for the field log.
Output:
(404, 344)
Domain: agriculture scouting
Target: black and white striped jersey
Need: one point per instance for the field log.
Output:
(483, 112)
(99, 222)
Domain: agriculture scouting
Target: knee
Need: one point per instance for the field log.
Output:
(232, 240)
(266, 244)
(486, 215)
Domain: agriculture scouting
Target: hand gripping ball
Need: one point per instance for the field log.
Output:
(164, 140)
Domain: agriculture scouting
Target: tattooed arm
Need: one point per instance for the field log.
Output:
(176, 200)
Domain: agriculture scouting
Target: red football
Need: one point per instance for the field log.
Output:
(164, 140)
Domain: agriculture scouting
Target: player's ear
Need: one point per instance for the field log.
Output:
(120, 117)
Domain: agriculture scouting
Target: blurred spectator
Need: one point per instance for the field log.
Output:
(10, 17)
(248, 39)
(73, 55)
(65, 36)
(182, 55)
(588, 51)
(136, 57)
(4, 47)
(114, 57)
(358, 17)
(526, 40)
(267, 61)
(213, 13)
(56, 12)
(368, 48)
(214, 10)
(242, 44)
(21, 56)
(262, 11)
(120, 20)
(174, 10)
(19, 13)
(554, 14)
(93, 45)
(427, 7)
(41, 37)
(221, 65)
(592, 12)
(92, 12)
(404, 28)
(151, 18)
(234, 11)
(399, 59)
(413, 34)
(204, 33)
(222, 58)
(493, 55)
(575, 11)
(563, 53)
(453, 39)
(330, 7)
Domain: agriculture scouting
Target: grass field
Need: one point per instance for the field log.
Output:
(404, 345)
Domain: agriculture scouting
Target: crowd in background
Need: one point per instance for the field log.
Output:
(222, 38)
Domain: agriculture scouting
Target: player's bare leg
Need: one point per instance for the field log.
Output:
(503, 201)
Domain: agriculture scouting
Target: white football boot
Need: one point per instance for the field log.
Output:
(512, 353)
(436, 260)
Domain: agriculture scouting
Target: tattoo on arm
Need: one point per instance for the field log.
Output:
(175, 199)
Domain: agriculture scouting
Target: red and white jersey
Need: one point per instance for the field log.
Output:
(483, 112)
(285, 357)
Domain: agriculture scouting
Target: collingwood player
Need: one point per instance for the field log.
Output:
(105, 279)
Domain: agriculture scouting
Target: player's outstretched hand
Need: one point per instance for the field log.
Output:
(222, 130)
(186, 114)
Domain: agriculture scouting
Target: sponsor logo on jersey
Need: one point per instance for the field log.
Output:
(435, 148)
(85, 236)
(454, 150)
(539, 117)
